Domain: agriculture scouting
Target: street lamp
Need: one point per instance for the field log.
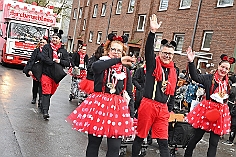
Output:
(76, 22)
(109, 19)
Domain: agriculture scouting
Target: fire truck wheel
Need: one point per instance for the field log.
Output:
(3, 63)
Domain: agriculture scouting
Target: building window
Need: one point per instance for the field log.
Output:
(90, 36)
(84, 26)
(99, 37)
(88, 1)
(179, 39)
(75, 13)
(126, 34)
(157, 41)
(95, 10)
(114, 32)
(80, 12)
(163, 5)
(206, 43)
(141, 22)
(104, 6)
(185, 4)
(131, 6)
(119, 7)
(225, 3)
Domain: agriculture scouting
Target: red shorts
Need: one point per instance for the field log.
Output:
(49, 86)
(153, 115)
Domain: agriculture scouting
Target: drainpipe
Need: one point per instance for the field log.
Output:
(196, 22)
(109, 19)
(76, 22)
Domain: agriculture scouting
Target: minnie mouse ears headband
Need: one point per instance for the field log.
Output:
(224, 57)
(113, 37)
(165, 42)
(58, 33)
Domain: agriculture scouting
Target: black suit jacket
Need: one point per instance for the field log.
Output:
(47, 59)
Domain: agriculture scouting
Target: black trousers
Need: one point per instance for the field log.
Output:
(37, 89)
(113, 146)
(46, 101)
(163, 147)
(232, 133)
(213, 143)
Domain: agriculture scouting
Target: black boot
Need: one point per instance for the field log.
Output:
(33, 101)
(45, 105)
(45, 114)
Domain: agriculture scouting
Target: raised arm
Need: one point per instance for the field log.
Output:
(149, 50)
(102, 65)
(200, 78)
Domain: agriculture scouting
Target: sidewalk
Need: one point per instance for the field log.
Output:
(8, 146)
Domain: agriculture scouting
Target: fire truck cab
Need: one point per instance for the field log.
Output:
(22, 26)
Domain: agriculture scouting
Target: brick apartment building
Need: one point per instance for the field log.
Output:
(209, 26)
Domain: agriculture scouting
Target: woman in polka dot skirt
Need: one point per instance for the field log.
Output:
(107, 112)
(211, 114)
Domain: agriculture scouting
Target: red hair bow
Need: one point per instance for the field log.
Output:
(119, 38)
(45, 37)
(224, 57)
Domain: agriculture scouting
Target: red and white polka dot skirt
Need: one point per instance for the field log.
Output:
(198, 119)
(103, 114)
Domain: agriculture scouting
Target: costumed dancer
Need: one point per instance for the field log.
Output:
(54, 58)
(87, 85)
(80, 60)
(158, 96)
(108, 111)
(35, 58)
(212, 113)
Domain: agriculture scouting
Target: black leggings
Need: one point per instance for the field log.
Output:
(36, 89)
(213, 143)
(163, 147)
(94, 142)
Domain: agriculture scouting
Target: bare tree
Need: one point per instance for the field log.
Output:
(62, 9)
(42, 3)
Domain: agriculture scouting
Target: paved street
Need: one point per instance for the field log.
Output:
(24, 133)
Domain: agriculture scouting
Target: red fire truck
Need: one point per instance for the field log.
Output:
(22, 25)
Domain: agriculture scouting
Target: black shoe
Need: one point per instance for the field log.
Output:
(229, 143)
(45, 114)
(39, 103)
(33, 101)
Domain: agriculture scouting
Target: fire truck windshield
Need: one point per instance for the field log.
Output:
(25, 32)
